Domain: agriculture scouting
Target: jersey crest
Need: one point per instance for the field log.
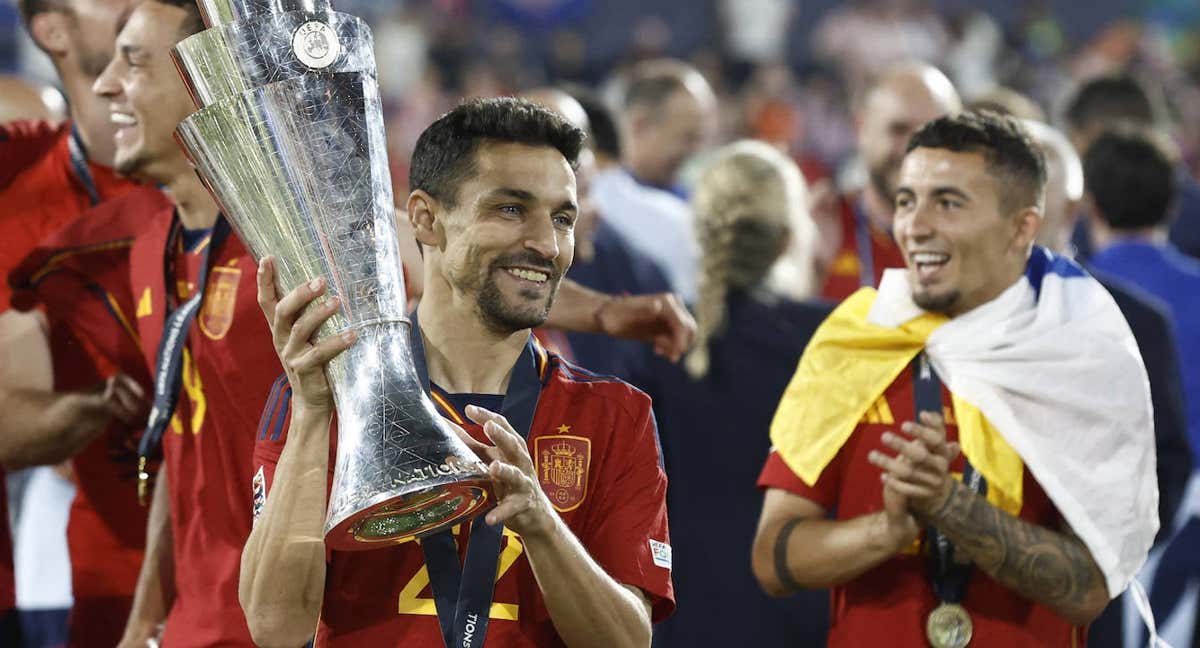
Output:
(220, 302)
(563, 463)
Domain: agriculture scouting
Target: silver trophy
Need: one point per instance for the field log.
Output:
(289, 139)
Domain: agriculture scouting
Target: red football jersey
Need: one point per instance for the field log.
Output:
(80, 278)
(846, 273)
(888, 605)
(229, 364)
(597, 426)
(42, 189)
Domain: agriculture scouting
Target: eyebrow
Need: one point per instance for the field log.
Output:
(518, 194)
(951, 191)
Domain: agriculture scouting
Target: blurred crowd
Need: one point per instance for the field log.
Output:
(766, 169)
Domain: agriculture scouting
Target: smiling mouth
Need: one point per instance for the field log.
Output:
(928, 263)
(525, 274)
(123, 119)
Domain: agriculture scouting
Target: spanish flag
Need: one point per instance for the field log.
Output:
(846, 367)
(1045, 377)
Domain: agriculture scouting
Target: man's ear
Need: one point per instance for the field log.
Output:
(1029, 221)
(49, 32)
(424, 215)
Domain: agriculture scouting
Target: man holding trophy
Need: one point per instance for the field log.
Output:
(289, 127)
(585, 559)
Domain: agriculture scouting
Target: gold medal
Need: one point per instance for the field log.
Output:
(948, 626)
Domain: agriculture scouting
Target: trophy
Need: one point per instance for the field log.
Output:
(289, 138)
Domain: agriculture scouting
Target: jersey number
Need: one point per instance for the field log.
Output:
(411, 603)
(193, 388)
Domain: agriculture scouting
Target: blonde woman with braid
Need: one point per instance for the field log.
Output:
(754, 234)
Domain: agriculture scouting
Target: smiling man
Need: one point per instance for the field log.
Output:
(71, 340)
(1008, 503)
(578, 559)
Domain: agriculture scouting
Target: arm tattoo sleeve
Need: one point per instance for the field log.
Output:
(1045, 566)
(782, 572)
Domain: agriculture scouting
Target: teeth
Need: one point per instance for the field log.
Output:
(929, 258)
(528, 275)
(123, 119)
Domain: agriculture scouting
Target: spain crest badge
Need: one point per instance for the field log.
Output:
(220, 301)
(562, 465)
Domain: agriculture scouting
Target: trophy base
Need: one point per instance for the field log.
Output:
(411, 515)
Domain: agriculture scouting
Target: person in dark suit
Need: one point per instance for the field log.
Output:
(714, 411)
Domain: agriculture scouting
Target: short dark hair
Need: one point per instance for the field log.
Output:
(1130, 174)
(194, 24)
(444, 156)
(1015, 161)
(1110, 99)
(605, 137)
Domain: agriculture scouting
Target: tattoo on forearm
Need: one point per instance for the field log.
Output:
(782, 572)
(1045, 566)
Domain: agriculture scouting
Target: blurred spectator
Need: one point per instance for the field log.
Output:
(1131, 178)
(52, 362)
(667, 115)
(1150, 322)
(1107, 101)
(856, 230)
(604, 260)
(715, 413)
(1131, 183)
(756, 31)
(863, 39)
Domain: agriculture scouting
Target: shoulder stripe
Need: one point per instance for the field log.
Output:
(285, 405)
(264, 421)
(114, 307)
(51, 264)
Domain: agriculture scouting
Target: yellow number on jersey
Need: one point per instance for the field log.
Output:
(193, 388)
(411, 603)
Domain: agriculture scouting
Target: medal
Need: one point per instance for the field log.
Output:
(948, 626)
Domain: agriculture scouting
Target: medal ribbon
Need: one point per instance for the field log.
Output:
(949, 578)
(79, 164)
(168, 372)
(463, 593)
(866, 254)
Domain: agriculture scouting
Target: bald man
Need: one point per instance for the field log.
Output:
(667, 114)
(605, 261)
(1151, 326)
(859, 226)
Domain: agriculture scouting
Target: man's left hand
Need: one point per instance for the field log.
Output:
(920, 469)
(660, 318)
(522, 504)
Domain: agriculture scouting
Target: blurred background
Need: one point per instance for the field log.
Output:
(785, 70)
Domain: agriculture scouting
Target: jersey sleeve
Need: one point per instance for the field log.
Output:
(776, 474)
(268, 444)
(22, 143)
(630, 539)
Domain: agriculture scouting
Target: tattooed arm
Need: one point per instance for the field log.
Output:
(1052, 568)
(1049, 567)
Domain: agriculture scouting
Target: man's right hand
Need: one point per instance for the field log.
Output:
(292, 326)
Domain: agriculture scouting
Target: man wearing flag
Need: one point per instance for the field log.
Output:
(966, 454)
